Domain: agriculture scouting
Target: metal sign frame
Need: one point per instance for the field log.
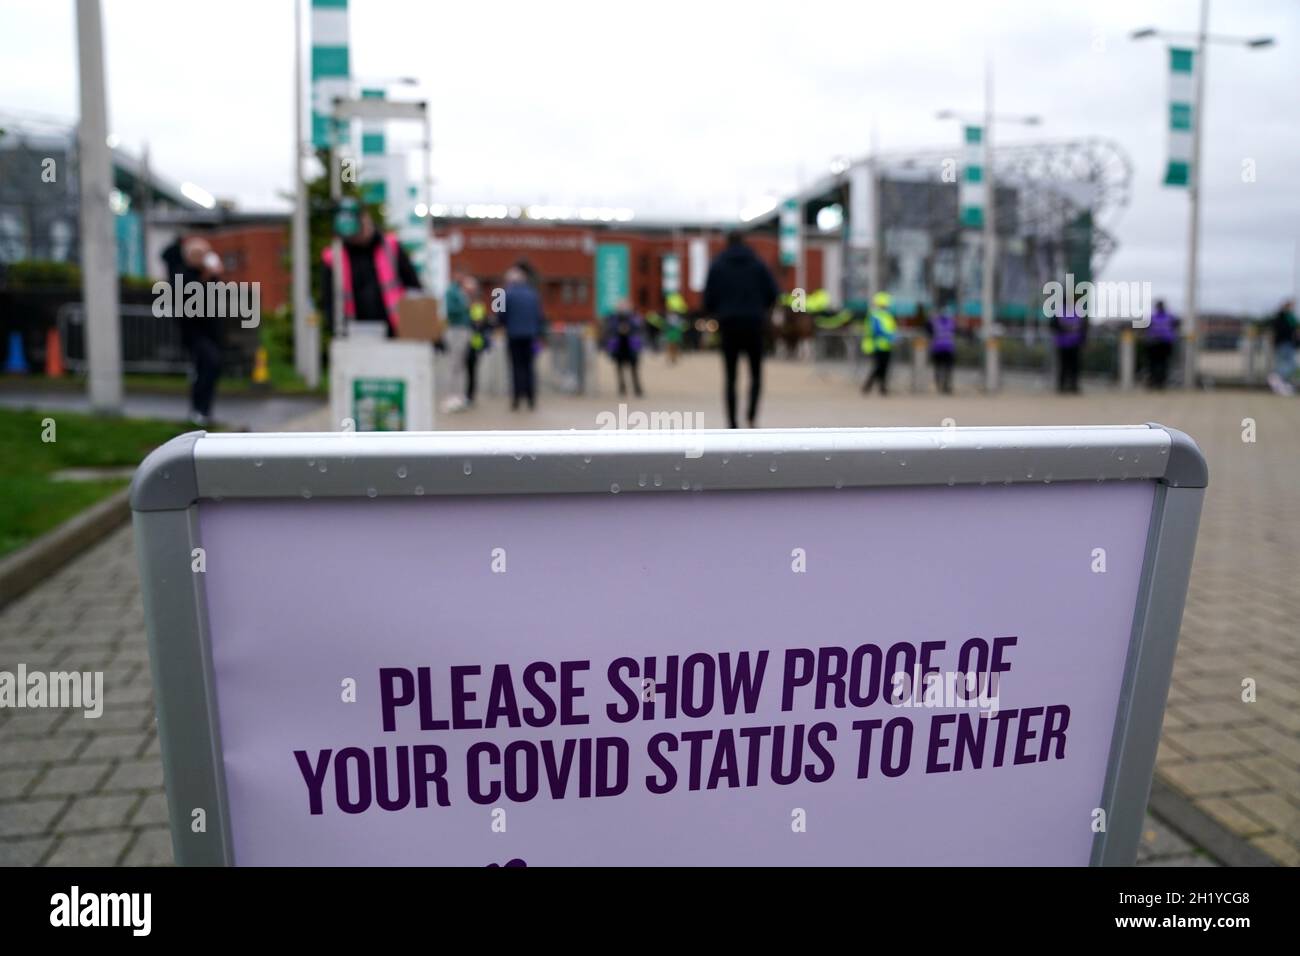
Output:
(173, 481)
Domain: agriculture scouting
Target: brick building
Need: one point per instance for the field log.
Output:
(256, 252)
(564, 255)
(254, 247)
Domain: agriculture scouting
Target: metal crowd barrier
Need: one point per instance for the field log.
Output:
(149, 343)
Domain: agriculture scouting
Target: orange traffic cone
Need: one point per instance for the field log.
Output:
(53, 354)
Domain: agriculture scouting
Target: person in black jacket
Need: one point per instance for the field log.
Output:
(193, 259)
(740, 293)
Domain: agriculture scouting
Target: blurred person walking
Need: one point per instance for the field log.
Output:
(376, 273)
(942, 331)
(1284, 345)
(1161, 334)
(193, 260)
(1071, 331)
(522, 318)
(456, 341)
(480, 337)
(676, 328)
(624, 340)
(878, 334)
(740, 292)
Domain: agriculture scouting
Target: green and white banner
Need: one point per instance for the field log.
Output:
(330, 70)
(383, 174)
(372, 130)
(613, 276)
(671, 268)
(971, 191)
(789, 239)
(1182, 110)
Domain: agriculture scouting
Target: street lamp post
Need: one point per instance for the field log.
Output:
(988, 307)
(306, 348)
(988, 291)
(1201, 37)
(98, 244)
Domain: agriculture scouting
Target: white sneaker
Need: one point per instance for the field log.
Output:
(1278, 386)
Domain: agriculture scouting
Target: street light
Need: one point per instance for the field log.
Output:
(1201, 37)
(987, 306)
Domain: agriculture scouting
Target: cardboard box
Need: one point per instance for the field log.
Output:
(419, 318)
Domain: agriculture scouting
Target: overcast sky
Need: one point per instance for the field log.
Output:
(697, 108)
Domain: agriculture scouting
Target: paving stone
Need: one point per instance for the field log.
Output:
(1285, 851)
(1209, 778)
(122, 718)
(21, 750)
(29, 817)
(1186, 859)
(39, 723)
(1229, 812)
(91, 849)
(1273, 809)
(70, 780)
(14, 781)
(152, 847)
(27, 851)
(120, 696)
(107, 746)
(152, 811)
(1278, 776)
(135, 775)
(98, 812)
(1208, 743)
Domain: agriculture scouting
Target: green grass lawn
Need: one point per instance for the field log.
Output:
(31, 502)
(283, 381)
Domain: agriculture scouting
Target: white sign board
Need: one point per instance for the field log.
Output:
(826, 647)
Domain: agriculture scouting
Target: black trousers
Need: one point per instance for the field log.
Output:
(1067, 369)
(879, 372)
(207, 368)
(628, 360)
(1158, 356)
(742, 338)
(942, 362)
(522, 385)
(471, 373)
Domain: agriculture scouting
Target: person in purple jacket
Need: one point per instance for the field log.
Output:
(942, 330)
(1071, 331)
(624, 336)
(1162, 333)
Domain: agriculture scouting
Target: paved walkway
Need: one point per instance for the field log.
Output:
(79, 791)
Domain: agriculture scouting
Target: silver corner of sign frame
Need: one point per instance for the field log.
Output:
(1187, 465)
(165, 480)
